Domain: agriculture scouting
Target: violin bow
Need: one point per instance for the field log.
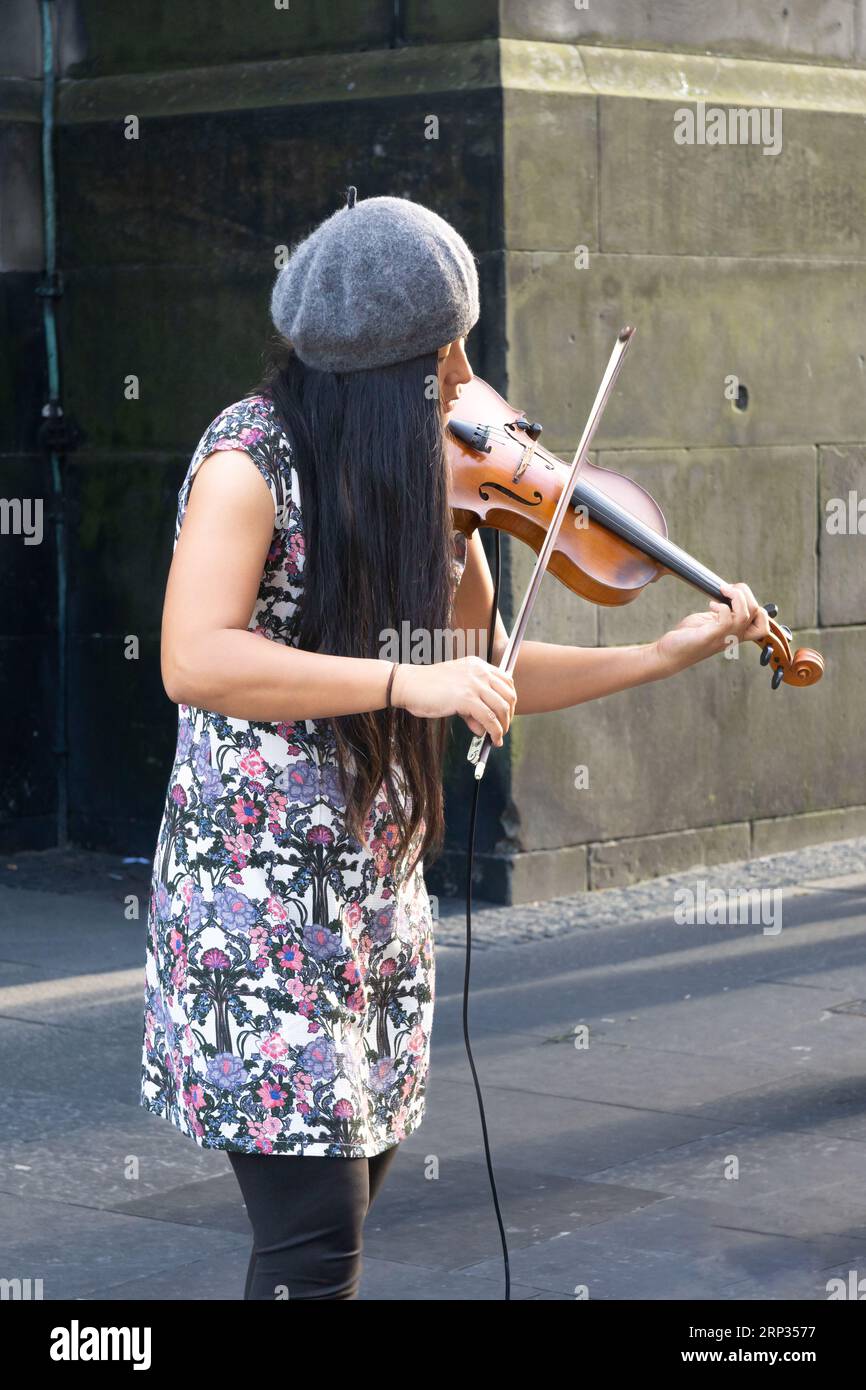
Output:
(479, 748)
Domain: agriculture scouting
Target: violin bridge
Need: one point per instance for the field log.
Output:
(526, 459)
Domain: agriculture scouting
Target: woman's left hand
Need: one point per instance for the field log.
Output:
(705, 634)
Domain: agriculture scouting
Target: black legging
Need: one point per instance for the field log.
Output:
(307, 1215)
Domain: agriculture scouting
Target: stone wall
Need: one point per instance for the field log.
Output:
(555, 130)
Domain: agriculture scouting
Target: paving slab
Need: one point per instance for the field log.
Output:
(790, 1181)
(71, 1061)
(846, 980)
(70, 1147)
(213, 1202)
(816, 1285)
(218, 1277)
(641, 1255)
(742, 1016)
(78, 1250)
(808, 1099)
(385, 1279)
(51, 930)
(548, 1133)
(449, 1223)
(648, 1079)
(571, 1264)
(221, 1278)
(833, 1042)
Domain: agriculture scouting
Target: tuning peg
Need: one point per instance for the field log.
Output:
(778, 677)
(787, 631)
(772, 609)
(766, 654)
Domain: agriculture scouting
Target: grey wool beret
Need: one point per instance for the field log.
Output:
(379, 281)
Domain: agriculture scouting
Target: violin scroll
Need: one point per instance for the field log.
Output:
(804, 667)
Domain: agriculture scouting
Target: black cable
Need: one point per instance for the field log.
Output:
(470, 858)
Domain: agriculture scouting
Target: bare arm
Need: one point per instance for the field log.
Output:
(209, 658)
(549, 677)
(212, 661)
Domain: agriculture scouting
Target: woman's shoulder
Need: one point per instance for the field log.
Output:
(251, 424)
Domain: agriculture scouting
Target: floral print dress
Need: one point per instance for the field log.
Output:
(289, 975)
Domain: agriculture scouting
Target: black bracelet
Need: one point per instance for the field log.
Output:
(390, 683)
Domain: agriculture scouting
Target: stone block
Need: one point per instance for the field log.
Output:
(616, 863)
(28, 769)
(818, 29)
(662, 198)
(842, 534)
(28, 584)
(119, 767)
(23, 372)
(450, 21)
(195, 340)
(712, 746)
(346, 78)
(777, 836)
(98, 36)
(536, 877)
(21, 244)
(549, 170)
(124, 507)
(671, 75)
(219, 191)
(21, 54)
(790, 333)
(559, 614)
(860, 34)
(716, 503)
(512, 878)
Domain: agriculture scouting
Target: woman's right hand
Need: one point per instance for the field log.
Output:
(480, 693)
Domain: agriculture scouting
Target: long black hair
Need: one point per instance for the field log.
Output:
(369, 449)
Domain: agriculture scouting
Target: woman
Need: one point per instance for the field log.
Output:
(290, 969)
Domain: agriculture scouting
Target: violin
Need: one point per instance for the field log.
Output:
(617, 542)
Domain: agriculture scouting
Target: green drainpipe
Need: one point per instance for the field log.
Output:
(54, 433)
